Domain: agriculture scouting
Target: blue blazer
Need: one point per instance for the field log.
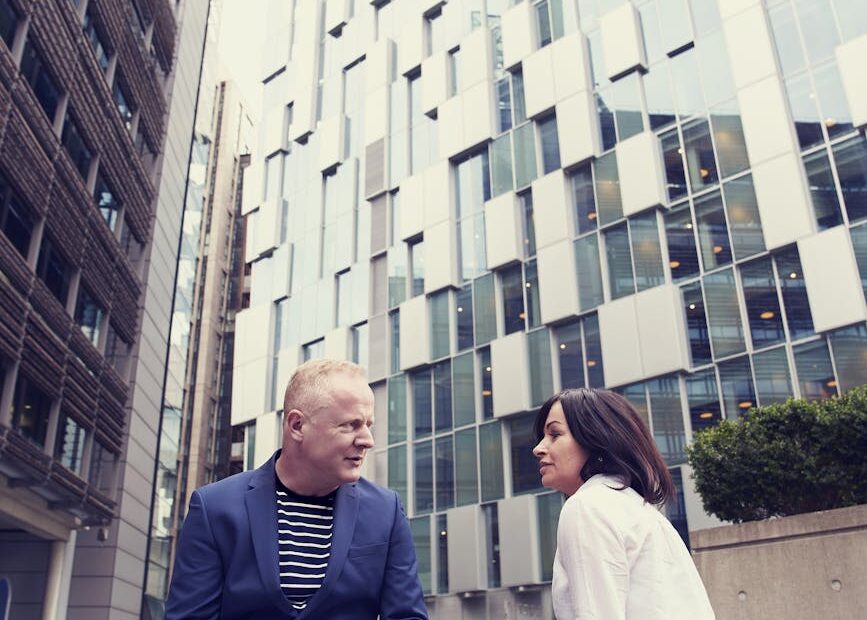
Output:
(226, 562)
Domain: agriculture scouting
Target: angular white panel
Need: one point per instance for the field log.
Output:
(434, 81)
(302, 113)
(733, 7)
(850, 62)
(662, 335)
(281, 281)
(558, 286)
(570, 60)
(437, 193)
(622, 41)
(467, 550)
(503, 230)
(254, 340)
(410, 45)
(577, 129)
(832, 278)
(538, 82)
(275, 131)
(552, 218)
(697, 518)
(253, 187)
(276, 51)
(440, 241)
(336, 15)
(248, 394)
(519, 554)
(412, 206)
(266, 235)
(338, 344)
(510, 375)
(516, 26)
(618, 332)
(476, 62)
(768, 132)
(331, 141)
(784, 207)
(750, 46)
(267, 436)
(450, 126)
(478, 114)
(377, 65)
(377, 366)
(415, 327)
(376, 113)
(641, 172)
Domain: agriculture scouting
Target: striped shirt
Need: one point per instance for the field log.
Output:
(304, 527)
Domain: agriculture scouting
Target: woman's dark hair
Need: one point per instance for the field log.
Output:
(618, 442)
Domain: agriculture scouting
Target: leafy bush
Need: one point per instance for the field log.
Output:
(784, 459)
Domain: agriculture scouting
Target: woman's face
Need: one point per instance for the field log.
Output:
(560, 456)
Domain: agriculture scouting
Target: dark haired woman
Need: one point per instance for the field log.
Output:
(617, 556)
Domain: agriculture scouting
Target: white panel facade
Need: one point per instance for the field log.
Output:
(750, 46)
(476, 62)
(662, 333)
(337, 13)
(784, 208)
(437, 193)
(412, 206)
(478, 117)
(414, 321)
(467, 552)
(570, 63)
(338, 344)
(551, 208)
(538, 73)
(850, 62)
(510, 374)
(832, 278)
(621, 341)
(503, 230)
(558, 289)
(518, 37)
(641, 172)
(253, 185)
(440, 241)
(450, 126)
(622, 41)
(331, 141)
(576, 127)
(519, 555)
(434, 81)
(768, 131)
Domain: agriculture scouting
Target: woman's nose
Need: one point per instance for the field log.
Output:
(539, 450)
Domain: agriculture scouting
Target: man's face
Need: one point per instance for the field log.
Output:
(337, 434)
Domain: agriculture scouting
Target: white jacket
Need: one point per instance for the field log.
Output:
(619, 558)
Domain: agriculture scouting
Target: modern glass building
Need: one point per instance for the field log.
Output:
(96, 110)
(486, 201)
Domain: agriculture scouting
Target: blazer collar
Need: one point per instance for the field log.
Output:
(261, 502)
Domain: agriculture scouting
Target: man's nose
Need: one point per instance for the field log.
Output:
(365, 438)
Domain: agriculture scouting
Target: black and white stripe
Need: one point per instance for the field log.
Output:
(304, 528)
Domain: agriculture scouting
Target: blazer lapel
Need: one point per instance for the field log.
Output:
(345, 514)
(261, 502)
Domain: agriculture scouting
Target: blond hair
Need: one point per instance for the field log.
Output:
(308, 386)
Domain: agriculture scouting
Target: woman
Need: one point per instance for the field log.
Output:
(617, 556)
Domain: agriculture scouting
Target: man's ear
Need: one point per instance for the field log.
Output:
(293, 425)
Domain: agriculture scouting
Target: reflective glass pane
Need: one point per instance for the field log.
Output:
(513, 299)
(823, 192)
(492, 543)
(397, 471)
(550, 144)
(851, 160)
(713, 233)
(439, 319)
(773, 381)
(466, 483)
(491, 461)
(817, 26)
(620, 281)
(539, 353)
(713, 58)
(696, 324)
(501, 164)
(738, 393)
(504, 107)
(763, 307)
(667, 414)
(463, 382)
(802, 101)
(442, 533)
(674, 16)
(700, 160)
(607, 184)
(672, 155)
(724, 317)
(442, 378)
(464, 317)
(593, 352)
(832, 100)
(658, 93)
(445, 474)
(394, 322)
(525, 155)
(852, 17)
(525, 471)
(850, 356)
(423, 476)
(548, 507)
(743, 216)
(487, 387)
(704, 408)
(396, 409)
(485, 311)
(626, 101)
(588, 270)
(815, 374)
(798, 316)
(687, 85)
(682, 255)
(786, 37)
(420, 527)
(646, 252)
(583, 200)
(422, 404)
(728, 134)
(570, 356)
(605, 113)
(859, 243)
(652, 36)
(531, 289)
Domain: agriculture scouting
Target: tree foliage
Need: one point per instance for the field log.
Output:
(784, 459)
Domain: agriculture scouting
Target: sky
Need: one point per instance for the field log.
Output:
(241, 38)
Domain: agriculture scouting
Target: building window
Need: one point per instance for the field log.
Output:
(343, 302)
(31, 409)
(394, 323)
(583, 200)
(525, 476)
(123, 100)
(696, 324)
(454, 72)
(396, 409)
(89, 315)
(313, 351)
(473, 190)
(95, 38)
(491, 517)
(464, 316)
(101, 473)
(815, 373)
(54, 270)
(75, 146)
(491, 461)
(420, 528)
(548, 507)
(763, 307)
(106, 201)
(397, 472)
(501, 165)
(587, 266)
(524, 142)
(738, 391)
(435, 34)
(360, 344)
(550, 144)
(539, 363)
(130, 244)
(442, 554)
(445, 472)
(439, 330)
(416, 267)
(484, 308)
(577, 342)
(16, 220)
(8, 22)
(724, 315)
(116, 351)
(796, 303)
(34, 72)
(703, 398)
(849, 348)
(682, 255)
(423, 477)
(549, 21)
(69, 446)
(773, 379)
(463, 389)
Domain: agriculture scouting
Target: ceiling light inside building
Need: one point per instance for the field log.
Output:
(767, 314)
(705, 415)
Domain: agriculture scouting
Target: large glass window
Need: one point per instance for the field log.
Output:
(8, 23)
(696, 324)
(464, 316)
(700, 160)
(53, 269)
(396, 409)
(607, 183)
(713, 232)
(548, 507)
(31, 408)
(550, 144)
(106, 201)
(525, 471)
(94, 36)
(617, 251)
(682, 255)
(763, 307)
(743, 217)
(445, 472)
(69, 446)
(704, 408)
(16, 220)
(589, 272)
(442, 530)
(773, 380)
(851, 160)
(822, 190)
(464, 389)
(492, 543)
(646, 251)
(583, 200)
(420, 528)
(394, 340)
(525, 155)
(539, 362)
(487, 384)
(423, 476)
(667, 414)
(416, 269)
(439, 331)
(570, 354)
(44, 87)
(102, 464)
(75, 146)
(422, 403)
(125, 106)
(724, 316)
(736, 380)
(815, 373)
(485, 310)
(797, 305)
(491, 461)
(88, 315)
(397, 471)
(849, 346)
(442, 381)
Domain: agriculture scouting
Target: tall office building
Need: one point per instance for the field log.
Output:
(96, 109)
(484, 201)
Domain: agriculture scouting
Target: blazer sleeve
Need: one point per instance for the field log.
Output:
(593, 555)
(401, 597)
(197, 579)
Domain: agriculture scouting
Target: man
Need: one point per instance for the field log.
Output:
(303, 536)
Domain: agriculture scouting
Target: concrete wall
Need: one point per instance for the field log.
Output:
(24, 560)
(806, 566)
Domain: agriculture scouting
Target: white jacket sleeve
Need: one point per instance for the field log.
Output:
(593, 555)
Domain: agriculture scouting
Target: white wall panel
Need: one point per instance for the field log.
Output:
(336, 14)
(519, 554)
(476, 61)
(551, 208)
(254, 185)
(784, 208)
(415, 329)
(768, 131)
(331, 141)
(622, 41)
(440, 241)
(376, 113)
(518, 34)
(410, 44)
(503, 230)
(267, 435)
(468, 560)
(412, 206)
(377, 70)
(437, 193)
(727, 8)
(450, 126)
(750, 46)
(538, 82)
(662, 335)
(641, 172)
(850, 61)
(302, 113)
(338, 344)
(621, 349)
(249, 389)
(252, 327)
(832, 279)
(558, 286)
(275, 131)
(434, 81)
(577, 129)
(570, 59)
(478, 114)
(510, 374)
